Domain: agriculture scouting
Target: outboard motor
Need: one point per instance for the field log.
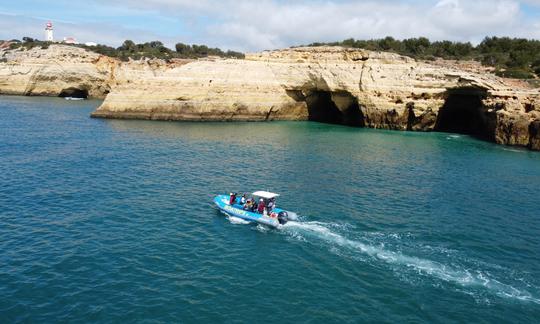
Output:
(283, 217)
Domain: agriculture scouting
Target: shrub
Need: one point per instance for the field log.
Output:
(515, 73)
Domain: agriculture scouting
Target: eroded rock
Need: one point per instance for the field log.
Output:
(327, 84)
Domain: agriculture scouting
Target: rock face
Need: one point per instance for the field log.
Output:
(327, 84)
(66, 71)
(57, 70)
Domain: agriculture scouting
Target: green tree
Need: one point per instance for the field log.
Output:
(200, 49)
(183, 49)
(128, 46)
(155, 44)
(495, 59)
(388, 43)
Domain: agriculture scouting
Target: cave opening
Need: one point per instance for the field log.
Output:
(334, 108)
(463, 113)
(74, 92)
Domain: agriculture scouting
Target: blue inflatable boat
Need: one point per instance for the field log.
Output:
(273, 217)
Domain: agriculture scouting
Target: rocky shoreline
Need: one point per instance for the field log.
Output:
(326, 84)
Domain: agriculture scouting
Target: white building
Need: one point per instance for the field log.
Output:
(49, 32)
(70, 40)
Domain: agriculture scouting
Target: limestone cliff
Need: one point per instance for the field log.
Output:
(327, 84)
(66, 70)
(51, 71)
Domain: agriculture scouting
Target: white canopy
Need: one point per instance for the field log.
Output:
(265, 194)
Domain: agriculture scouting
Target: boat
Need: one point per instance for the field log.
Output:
(74, 98)
(275, 218)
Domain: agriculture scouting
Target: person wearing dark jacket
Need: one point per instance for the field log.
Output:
(261, 206)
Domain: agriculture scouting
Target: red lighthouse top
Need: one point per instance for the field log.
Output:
(49, 25)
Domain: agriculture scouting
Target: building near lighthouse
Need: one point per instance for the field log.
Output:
(49, 32)
(70, 40)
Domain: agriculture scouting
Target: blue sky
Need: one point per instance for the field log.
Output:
(266, 24)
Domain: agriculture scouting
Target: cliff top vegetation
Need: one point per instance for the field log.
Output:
(511, 57)
(130, 49)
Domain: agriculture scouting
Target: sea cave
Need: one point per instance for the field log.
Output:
(463, 113)
(73, 92)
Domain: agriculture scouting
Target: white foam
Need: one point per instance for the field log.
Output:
(463, 277)
(261, 228)
(292, 216)
(237, 221)
(514, 150)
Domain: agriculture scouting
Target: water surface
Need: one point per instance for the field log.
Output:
(111, 220)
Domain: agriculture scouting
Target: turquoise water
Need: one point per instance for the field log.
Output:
(110, 220)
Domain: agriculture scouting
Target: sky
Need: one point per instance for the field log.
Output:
(268, 24)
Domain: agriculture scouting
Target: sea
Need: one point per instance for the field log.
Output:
(112, 221)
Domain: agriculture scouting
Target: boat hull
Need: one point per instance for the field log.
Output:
(222, 203)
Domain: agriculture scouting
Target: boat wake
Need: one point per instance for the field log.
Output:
(292, 216)
(237, 220)
(452, 274)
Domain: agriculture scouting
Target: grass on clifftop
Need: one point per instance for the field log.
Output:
(129, 49)
(512, 57)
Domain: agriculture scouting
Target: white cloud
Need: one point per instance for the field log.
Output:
(276, 24)
(532, 2)
(265, 24)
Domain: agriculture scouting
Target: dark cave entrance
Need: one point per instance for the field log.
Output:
(73, 92)
(334, 108)
(463, 113)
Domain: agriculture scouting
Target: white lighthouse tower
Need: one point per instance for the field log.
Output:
(49, 32)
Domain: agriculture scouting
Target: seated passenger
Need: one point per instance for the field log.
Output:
(270, 206)
(248, 204)
(232, 199)
(254, 206)
(243, 199)
(261, 206)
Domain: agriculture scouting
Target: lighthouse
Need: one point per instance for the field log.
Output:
(49, 32)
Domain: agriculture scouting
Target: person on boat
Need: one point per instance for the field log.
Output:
(254, 206)
(271, 205)
(243, 199)
(261, 206)
(232, 200)
(248, 205)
